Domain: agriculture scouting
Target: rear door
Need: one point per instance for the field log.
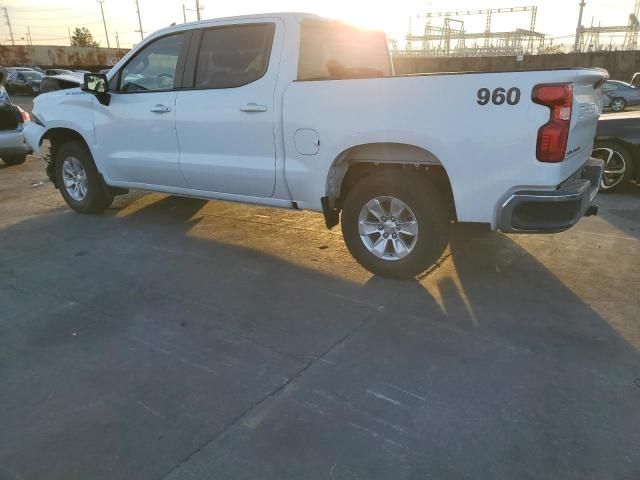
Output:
(226, 112)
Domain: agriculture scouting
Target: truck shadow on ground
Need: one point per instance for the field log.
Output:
(494, 343)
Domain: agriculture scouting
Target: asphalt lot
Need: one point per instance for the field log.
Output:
(175, 338)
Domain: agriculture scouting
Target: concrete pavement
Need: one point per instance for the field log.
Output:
(180, 339)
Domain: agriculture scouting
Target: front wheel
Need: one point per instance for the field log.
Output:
(395, 224)
(618, 105)
(79, 180)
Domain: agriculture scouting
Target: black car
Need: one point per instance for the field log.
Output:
(61, 82)
(57, 71)
(618, 144)
(24, 82)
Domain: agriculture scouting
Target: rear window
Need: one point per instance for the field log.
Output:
(333, 51)
(234, 56)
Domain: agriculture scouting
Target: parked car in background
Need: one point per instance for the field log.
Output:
(13, 148)
(57, 71)
(61, 82)
(20, 69)
(618, 145)
(24, 82)
(618, 95)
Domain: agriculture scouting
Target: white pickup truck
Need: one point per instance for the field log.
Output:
(295, 111)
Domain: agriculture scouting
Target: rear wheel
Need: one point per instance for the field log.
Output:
(618, 164)
(79, 180)
(395, 224)
(14, 159)
(618, 104)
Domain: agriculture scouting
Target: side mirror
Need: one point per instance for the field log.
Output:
(98, 85)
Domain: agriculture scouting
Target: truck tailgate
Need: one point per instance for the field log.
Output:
(584, 119)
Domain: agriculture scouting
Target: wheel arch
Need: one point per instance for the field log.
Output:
(57, 136)
(358, 161)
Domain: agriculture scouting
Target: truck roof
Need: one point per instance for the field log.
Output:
(291, 16)
(286, 16)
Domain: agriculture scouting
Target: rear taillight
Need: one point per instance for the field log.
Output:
(553, 136)
(25, 116)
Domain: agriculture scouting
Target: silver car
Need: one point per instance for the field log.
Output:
(618, 95)
(13, 147)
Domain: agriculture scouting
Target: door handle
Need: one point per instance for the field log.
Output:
(160, 109)
(253, 108)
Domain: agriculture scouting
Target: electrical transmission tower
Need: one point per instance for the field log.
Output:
(631, 36)
(438, 41)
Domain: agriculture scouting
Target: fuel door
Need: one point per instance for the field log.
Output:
(307, 141)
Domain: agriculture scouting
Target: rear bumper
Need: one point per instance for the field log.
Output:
(550, 211)
(13, 143)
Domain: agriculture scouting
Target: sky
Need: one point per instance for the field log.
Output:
(48, 20)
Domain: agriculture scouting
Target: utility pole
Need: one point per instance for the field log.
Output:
(105, 23)
(70, 40)
(29, 36)
(198, 9)
(6, 15)
(139, 20)
(184, 13)
(117, 40)
(576, 46)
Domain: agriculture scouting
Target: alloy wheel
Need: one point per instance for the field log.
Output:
(75, 179)
(615, 166)
(388, 228)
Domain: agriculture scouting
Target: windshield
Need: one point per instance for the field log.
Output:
(333, 51)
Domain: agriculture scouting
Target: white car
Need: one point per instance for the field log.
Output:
(295, 111)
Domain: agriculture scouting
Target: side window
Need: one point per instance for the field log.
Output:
(333, 51)
(153, 67)
(21, 77)
(234, 56)
(609, 87)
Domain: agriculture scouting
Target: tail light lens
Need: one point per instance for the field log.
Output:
(553, 136)
(25, 115)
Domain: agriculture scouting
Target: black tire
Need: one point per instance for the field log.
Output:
(423, 199)
(97, 197)
(14, 159)
(618, 104)
(620, 157)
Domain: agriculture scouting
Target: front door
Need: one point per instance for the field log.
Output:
(226, 117)
(136, 133)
